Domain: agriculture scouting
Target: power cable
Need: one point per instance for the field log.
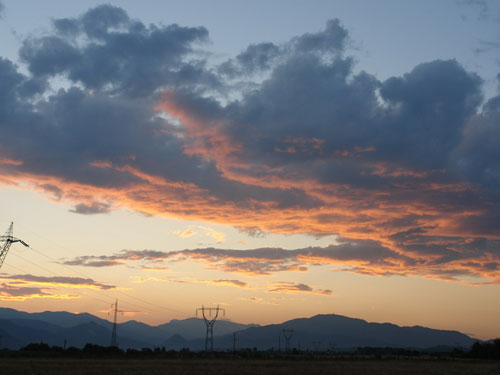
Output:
(117, 291)
(165, 309)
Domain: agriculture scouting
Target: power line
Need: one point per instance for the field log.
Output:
(117, 291)
(69, 288)
(162, 309)
(61, 246)
(53, 273)
(102, 293)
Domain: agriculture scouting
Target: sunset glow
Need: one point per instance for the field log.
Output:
(307, 169)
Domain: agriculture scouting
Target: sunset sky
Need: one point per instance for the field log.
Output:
(280, 159)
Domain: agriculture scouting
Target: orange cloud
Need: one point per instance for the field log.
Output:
(8, 161)
(288, 287)
(184, 234)
(236, 283)
(55, 281)
(13, 293)
(442, 258)
(23, 287)
(309, 147)
(267, 197)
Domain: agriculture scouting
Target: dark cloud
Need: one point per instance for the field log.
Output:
(92, 209)
(319, 118)
(429, 118)
(420, 254)
(98, 21)
(121, 55)
(332, 39)
(237, 283)
(78, 129)
(301, 143)
(288, 287)
(22, 287)
(260, 261)
(262, 57)
(54, 190)
(256, 58)
(91, 263)
(20, 293)
(56, 281)
(117, 259)
(478, 155)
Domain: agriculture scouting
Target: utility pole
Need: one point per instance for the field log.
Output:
(287, 333)
(234, 342)
(209, 338)
(9, 239)
(113, 333)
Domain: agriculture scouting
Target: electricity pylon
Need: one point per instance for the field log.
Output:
(9, 239)
(287, 333)
(209, 338)
(113, 333)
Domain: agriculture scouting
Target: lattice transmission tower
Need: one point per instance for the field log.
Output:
(287, 334)
(210, 321)
(8, 240)
(114, 308)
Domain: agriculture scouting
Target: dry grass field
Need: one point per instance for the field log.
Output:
(37, 366)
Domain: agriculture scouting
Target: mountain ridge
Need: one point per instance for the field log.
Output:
(325, 330)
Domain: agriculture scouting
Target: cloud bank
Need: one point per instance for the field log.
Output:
(23, 287)
(419, 255)
(282, 138)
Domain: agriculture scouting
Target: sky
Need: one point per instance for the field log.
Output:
(278, 159)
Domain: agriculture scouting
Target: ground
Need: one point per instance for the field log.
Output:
(41, 366)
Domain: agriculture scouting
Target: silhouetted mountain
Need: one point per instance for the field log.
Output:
(176, 342)
(20, 332)
(150, 334)
(336, 331)
(19, 328)
(194, 328)
(59, 318)
(96, 334)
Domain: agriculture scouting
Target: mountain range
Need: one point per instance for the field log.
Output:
(320, 332)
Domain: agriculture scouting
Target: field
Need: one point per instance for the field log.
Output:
(41, 366)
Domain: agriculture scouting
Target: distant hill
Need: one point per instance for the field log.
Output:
(336, 331)
(18, 328)
(193, 328)
(16, 333)
(320, 332)
(59, 318)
